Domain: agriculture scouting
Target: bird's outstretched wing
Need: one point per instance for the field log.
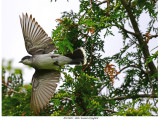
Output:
(36, 39)
(43, 88)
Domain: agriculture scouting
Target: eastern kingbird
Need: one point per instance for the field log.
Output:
(44, 61)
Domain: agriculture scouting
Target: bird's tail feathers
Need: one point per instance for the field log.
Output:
(78, 56)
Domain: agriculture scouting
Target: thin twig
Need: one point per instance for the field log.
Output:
(133, 66)
(11, 90)
(133, 97)
(151, 36)
(105, 1)
(125, 30)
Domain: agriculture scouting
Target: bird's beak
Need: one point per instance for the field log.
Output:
(20, 61)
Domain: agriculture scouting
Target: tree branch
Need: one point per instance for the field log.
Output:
(125, 30)
(151, 36)
(139, 37)
(134, 66)
(133, 97)
(10, 89)
(105, 1)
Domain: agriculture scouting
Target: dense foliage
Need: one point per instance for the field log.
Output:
(15, 95)
(82, 92)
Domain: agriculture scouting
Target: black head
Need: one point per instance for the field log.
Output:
(25, 58)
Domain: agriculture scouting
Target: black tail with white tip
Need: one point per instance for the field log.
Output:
(78, 56)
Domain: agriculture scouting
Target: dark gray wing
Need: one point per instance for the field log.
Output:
(36, 39)
(44, 83)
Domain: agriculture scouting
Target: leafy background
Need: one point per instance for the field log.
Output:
(82, 91)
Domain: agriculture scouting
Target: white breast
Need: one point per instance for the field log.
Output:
(50, 61)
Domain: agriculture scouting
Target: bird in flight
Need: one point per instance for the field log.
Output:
(44, 61)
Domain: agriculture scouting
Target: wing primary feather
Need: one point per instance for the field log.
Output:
(42, 98)
(26, 23)
(21, 22)
(35, 30)
(32, 104)
(30, 27)
(50, 87)
(43, 39)
(43, 92)
(36, 39)
(32, 30)
(39, 34)
(40, 38)
(35, 103)
(47, 90)
(38, 100)
(49, 95)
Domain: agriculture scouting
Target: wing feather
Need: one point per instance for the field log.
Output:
(30, 26)
(48, 90)
(44, 97)
(35, 103)
(40, 101)
(44, 83)
(35, 25)
(36, 39)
